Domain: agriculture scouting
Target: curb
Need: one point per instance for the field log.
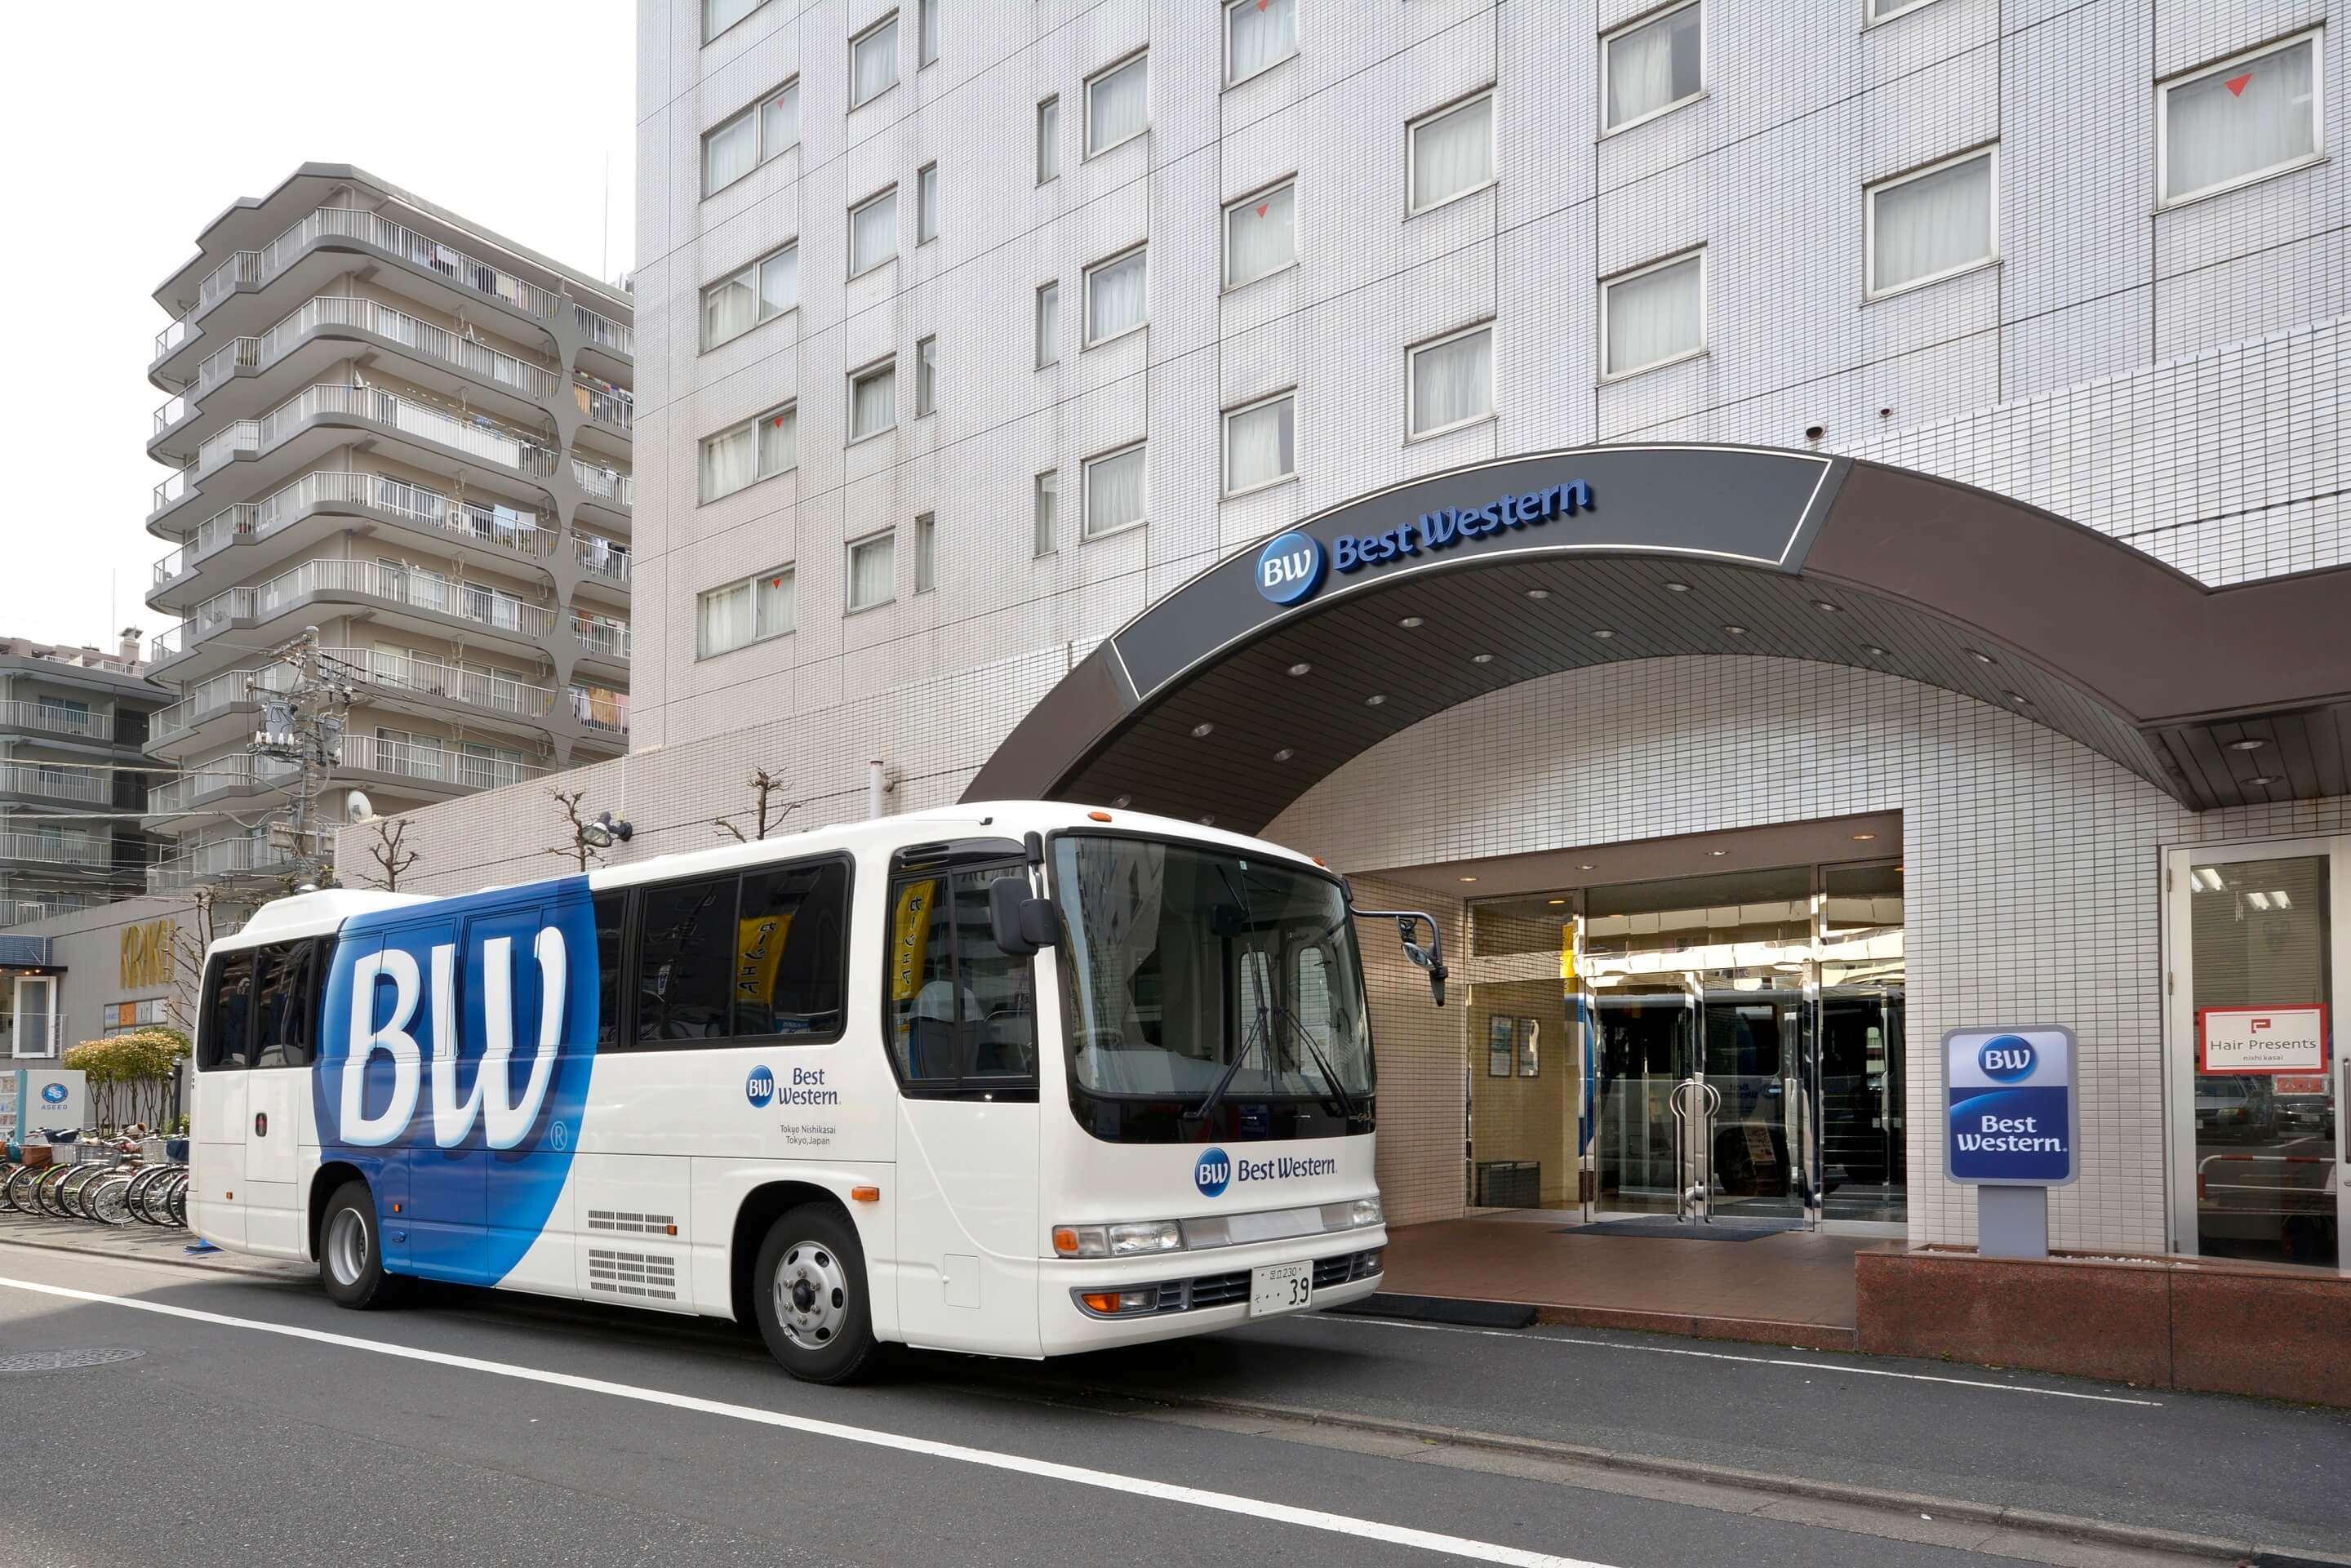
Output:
(11, 1237)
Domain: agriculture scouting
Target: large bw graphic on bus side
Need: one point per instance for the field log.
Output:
(1017, 1079)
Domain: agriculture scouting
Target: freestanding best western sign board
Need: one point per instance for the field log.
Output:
(2012, 1119)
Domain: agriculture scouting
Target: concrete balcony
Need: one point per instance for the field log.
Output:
(212, 698)
(612, 488)
(430, 765)
(601, 637)
(78, 786)
(609, 407)
(37, 848)
(398, 674)
(224, 778)
(616, 337)
(46, 719)
(599, 709)
(24, 911)
(213, 862)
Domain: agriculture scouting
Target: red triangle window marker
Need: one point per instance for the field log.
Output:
(2236, 85)
(1261, 207)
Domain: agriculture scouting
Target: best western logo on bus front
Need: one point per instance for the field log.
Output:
(1218, 1170)
(2009, 1105)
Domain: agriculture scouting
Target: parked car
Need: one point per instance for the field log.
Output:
(2239, 1107)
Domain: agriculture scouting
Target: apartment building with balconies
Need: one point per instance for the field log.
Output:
(73, 721)
(388, 424)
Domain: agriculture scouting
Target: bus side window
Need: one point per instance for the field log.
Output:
(998, 1003)
(686, 963)
(789, 951)
(611, 909)
(922, 981)
(228, 1014)
(283, 974)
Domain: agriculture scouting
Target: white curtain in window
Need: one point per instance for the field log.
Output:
(1453, 381)
(1114, 297)
(927, 552)
(780, 121)
(873, 233)
(730, 152)
(1048, 496)
(875, 69)
(1453, 154)
(724, 619)
(728, 308)
(1117, 105)
(927, 203)
(930, 30)
(1653, 66)
(1260, 444)
(1115, 492)
(1654, 316)
(873, 403)
(2239, 120)
(727, 463)
(872, 572)
(926, 376)
(1932, 223)
(780, 282)
(1048, 325)
(778, 441)
(717, 16)
(1263, 32)
(1261, 235)
(774, 608)
(1049, 139)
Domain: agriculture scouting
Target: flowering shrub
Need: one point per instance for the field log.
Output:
(133, 1076)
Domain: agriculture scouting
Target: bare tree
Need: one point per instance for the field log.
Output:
(767, 811)
(389, 855)
(579, 849)
(189, 943)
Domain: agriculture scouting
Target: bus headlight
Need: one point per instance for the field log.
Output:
(1367, 1210)
(1352, 1214)
(1150, 1235)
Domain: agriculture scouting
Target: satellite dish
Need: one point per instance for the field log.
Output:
(357, 807)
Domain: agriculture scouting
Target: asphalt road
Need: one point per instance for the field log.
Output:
(259, 1424)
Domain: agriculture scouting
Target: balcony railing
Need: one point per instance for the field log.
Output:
(600, 708)
(598, 635)
(257, 266)
(51, 719)
(20, 911)
(601, 557)
(605, 332)
(175, 409)
(215, 696)
(609, 406)
(503, 526)
(171, 565)
(238, 775)
(86, 784)
(433, 764)
(426, 677)
(409, 586)
(56, 849)
(239, 856)
(605, 484)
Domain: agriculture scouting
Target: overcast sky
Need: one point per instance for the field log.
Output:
(129, 127)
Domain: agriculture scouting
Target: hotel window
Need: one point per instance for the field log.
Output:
(1260, 235)
(1930, 224)
(1118, 105)
(760, 292)
(1260, 443)
(872, 399)
(1651, 66)
(1258, 36)
(1049, 140)
(758, 449)
(1451, 152)
(1877, 11)
(2252, 115)
(1049, 324)
(741, 613)
(717, 16)
(927, 552)
(926, 378)
(927, 204)
(1114, 297)
(930, 31)
(1452, 381)
(746, 141)
(872, 570)
(1049, 498)
(873, 61)
(1115, 492)
(1653, 316)
(872, 232)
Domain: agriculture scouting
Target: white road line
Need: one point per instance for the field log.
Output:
(1525, 1338)
(1106, 1481)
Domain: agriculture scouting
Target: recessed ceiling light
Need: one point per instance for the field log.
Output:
(1603, 632)
(1374, 700)
(2262, 779)
(1122, 801)
(1677, 588)
(1469, 878)
(2018, 698)
(1978, 658)
(1585, 866)
(1556, 900)
(1717, 853)
(1538, 594)
(1862, 838)
(1736, 631)
(1202, 731)
(1409, 622)
(1207, 821)
(2248, 744)
(1872, 650)
(1824, 604)
(1285, 754)
(1481, 658)
(1300, 667)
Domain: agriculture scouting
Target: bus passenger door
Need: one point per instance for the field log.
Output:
(278, 1097)
(963, 1020)
(217, 1186)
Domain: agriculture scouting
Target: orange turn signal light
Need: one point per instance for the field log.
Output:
(395, 1208)
(1097, 816)
(1103, 1301)
(1065, 1241)
(866, 1193)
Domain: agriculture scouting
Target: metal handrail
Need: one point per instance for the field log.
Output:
(223, 776)
(434, 763)
(217, 694)
(54, 783)
(601, 635)
(403, 585)
(1694, 1102)
(586, 702)
(23, 713)
(608, 406)
(598, 555)
(400, 672)
(56, 849)
(257, 266)
(249, 520)
(604, 482)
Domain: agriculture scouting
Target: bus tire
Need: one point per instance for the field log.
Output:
(809, 1290)
(351, 1251)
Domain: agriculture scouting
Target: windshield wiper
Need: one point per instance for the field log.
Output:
(1199, 1114)
(1346, 1101)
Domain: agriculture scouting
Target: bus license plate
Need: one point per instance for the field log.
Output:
(1280, 1288)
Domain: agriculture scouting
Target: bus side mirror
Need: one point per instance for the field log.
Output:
(1430, 957)
(1019, 922)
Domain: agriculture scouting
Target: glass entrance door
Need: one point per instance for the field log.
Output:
(1864, 1165)
(1754, 1044)
(2259, 938)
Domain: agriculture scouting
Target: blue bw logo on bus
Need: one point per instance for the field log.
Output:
(55, 1093)
(2007, 1059)
(1290, 567)
(1213, 1173)
(761, 1089)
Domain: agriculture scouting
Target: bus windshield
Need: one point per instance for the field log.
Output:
(1182, 958)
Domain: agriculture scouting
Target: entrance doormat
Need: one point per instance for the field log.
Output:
(1441, 1309)
(1658, 1227)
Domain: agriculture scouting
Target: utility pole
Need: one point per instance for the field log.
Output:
(303, 725)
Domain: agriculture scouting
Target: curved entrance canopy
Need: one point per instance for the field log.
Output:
(1238, 691)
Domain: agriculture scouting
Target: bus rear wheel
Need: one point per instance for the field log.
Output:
(809, 1289)
(351, 1250)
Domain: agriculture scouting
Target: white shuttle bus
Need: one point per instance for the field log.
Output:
(1018, 1078)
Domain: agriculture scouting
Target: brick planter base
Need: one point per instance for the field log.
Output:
(2218, 1326)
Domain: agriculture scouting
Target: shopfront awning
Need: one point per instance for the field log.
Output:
(1239, 690)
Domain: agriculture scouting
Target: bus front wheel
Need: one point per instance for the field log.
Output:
(808, 1287)
(351, 1250)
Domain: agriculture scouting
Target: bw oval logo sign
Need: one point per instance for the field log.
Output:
(1290, 567)
(2007, 1058)
(760, 1087)
(1213, 1173)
